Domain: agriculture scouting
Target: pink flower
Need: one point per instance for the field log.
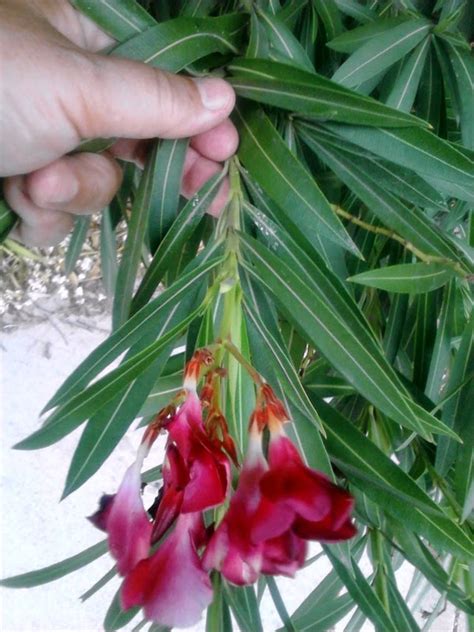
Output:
(284, 555)
(171, 585)
(231, 549)
(298, 497)
(208, 467)
(125, 519)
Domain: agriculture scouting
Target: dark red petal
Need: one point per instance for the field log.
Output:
(282, 452)
(284, 555)
(207, 485)
(270, 520)
(322, 532)
(300, 488)
(168, 510)
(99, 518)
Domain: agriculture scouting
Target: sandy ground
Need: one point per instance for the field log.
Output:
(37, 530)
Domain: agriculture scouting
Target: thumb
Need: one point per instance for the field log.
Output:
(120, 97)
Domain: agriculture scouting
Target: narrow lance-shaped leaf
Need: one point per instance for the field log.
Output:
(366, 370)
(115, 617)
(121, 20)
(311, 94)
(381, 52)
(362, 593)
(421, 557)
(78, 237)
(414, 278)
(164, 196)
(403, 93)
(69, 416)
(58, 570)
(283, 41)
(264, 153)
(351, 40)
(421, 151)
(108, 425)
(323, 607)
(174, 44)
(174, 240)
(409, 223)
(145, 321)
(8, 219)
(244, 606)
(133, 246)
(457, 410)
(388, 485)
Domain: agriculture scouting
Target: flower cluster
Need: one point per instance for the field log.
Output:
(167, 553)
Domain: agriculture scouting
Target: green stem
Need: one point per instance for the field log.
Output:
(379, 230)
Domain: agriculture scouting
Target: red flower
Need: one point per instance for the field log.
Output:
(298, 497)
(125, 519)
(231, 549)
(171, 585)
(284, 555)
(207, 465)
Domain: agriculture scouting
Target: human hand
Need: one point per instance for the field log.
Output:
(56, 91)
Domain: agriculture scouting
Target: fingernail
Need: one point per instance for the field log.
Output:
(216, 94)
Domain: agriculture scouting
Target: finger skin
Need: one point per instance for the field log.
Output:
(197, 171)
(45, 220)
(37, 226)
(83, 183)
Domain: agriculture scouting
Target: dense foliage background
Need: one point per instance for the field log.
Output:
(341, 270)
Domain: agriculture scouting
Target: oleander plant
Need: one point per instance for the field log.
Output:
(306, 360)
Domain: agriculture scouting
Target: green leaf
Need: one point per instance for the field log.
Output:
(362, 593)
(440, 361)
(78, 237)
(244, 606)
(103, 581)
(356, 356)
(80, 407)
(108, 425)
(283, 177)
(148, 319)
(379, 53)
(421, 557)
(117, 618)
(218, 616)
(174, 44)
(457, 412)
(58, 570)
(419, 150)
(462, 76)
(399, 609)
(160, 394)
(414, 278)
(388, 486)
(108, 252)
(175, 239)
(403, 92)
(403, 182)
(409, 223)
(280, 604)
(164, 195)
(8, 219)
(282, 365)
(132, 253)
(330, 16)
(282, 40)
(121, 19)
(356, 10)
(350, 41)
(311, 94)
